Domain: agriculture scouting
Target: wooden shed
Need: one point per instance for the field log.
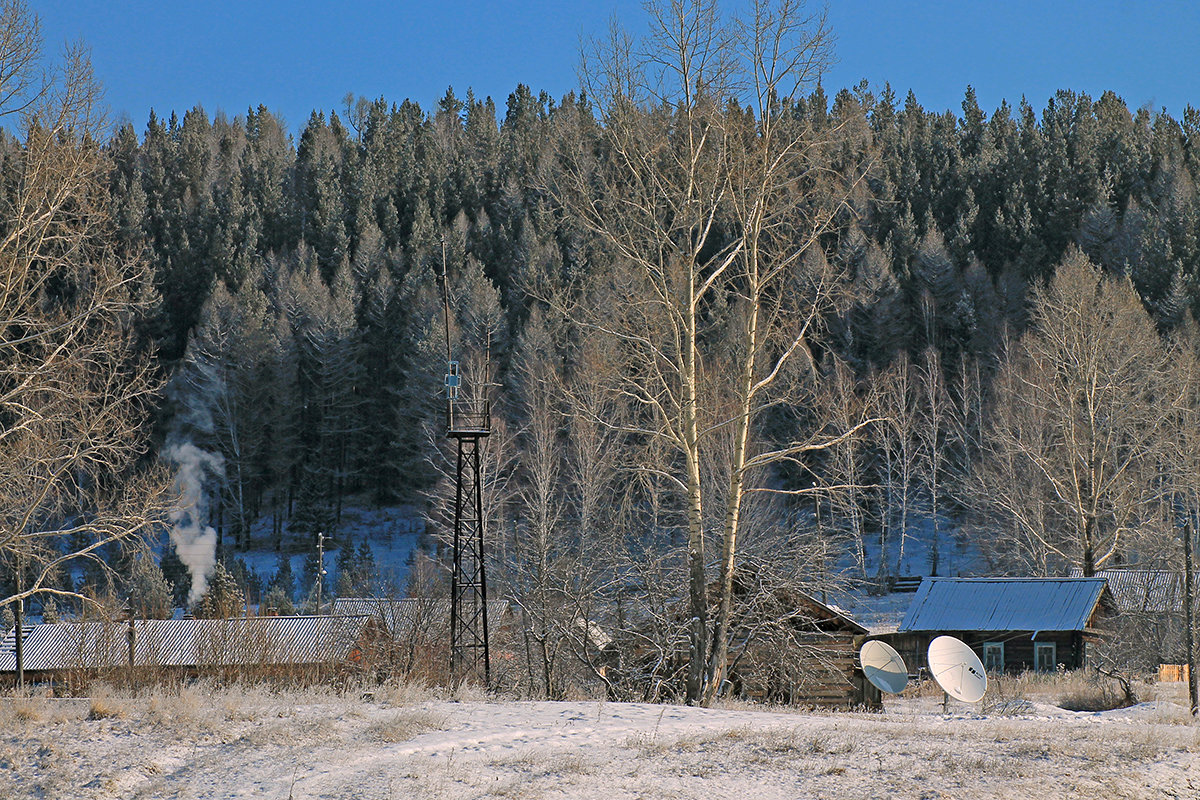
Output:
(1150, 628)
(785, 647)
(809, 657)
(1013, 624)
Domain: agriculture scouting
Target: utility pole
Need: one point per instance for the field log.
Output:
(320, 567)
(20, 631)
(1189, 601)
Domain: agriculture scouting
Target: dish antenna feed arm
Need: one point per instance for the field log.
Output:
(468, 422)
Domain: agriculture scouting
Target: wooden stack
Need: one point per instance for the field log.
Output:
(1173, 673)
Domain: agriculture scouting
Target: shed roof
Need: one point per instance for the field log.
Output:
(1003, 604)
(243, 641)
(1154, 591)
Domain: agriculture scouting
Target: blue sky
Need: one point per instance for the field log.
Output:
(297, 56)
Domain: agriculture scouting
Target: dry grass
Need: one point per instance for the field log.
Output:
(27, 707)
(219, 735)
(402, 726)
(404, 693)
(107, 703)
(181, 708)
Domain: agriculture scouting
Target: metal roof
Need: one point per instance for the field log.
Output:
(1143, 590)
(185, 642)
(1003, 604)
(409, 615)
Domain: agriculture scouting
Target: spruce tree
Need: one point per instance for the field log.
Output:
(49, 611)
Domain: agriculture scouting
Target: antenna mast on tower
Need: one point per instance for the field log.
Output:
(468, 422)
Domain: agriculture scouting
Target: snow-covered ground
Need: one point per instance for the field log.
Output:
(392, 532)
(405, 743)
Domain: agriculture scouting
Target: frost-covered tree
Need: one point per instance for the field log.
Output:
(1073, 437)
(75, 390)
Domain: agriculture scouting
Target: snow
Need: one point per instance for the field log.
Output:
(406, 743)
(958, 552)
(393, 533)
(879, 614)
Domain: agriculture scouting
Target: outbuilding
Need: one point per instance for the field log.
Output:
(786, 647)
(1151, 627)
(1013, 624)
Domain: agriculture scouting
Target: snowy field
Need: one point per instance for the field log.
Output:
(406, 743)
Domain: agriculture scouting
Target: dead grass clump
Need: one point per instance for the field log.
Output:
(405, 725)
(404, 693)
(825, 744)
(645, 745)
(976, 766)
(469, 693)
(106, 704)
(570, 764)
(776, 742)
(185, 706)
(533, 766)
(244, 704)
(1092, 698)
(1168, 713)
(28, 708)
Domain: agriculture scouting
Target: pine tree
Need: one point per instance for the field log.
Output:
(284, 580)
(365, 563)
(278, 601)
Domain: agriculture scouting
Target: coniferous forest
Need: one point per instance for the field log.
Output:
(732, 341)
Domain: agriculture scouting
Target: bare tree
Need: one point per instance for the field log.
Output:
(899, 445)
(708, 193)
(847, 402)
(932, 433)
(1072, 446)
(74, 391)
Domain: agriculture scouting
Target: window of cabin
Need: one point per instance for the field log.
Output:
(1045, 656)
(993, 656)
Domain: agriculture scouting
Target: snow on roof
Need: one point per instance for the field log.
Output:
(1146, 590)
(879, 614)
(1003, 604)
(185, 642)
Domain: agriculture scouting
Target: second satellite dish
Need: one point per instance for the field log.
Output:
(883, 667)
(957, 669)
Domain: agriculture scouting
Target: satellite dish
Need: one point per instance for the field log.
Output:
(957, 669)
(883, 667)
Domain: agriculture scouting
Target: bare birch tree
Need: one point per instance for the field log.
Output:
(899, 445)
(74, 393)
(1079, 409)
(708, 192)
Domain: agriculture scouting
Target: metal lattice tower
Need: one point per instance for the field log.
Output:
(468, 422)
(469, 655)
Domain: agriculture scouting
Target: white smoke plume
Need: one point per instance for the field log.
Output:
(195, 542)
